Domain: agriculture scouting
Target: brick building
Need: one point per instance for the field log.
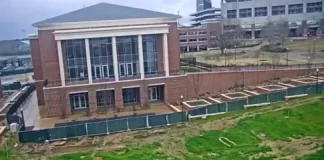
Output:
(98, 56)
(199, 38)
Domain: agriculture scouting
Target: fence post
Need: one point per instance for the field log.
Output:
(206, 111)
(147, 122)
(107, 126)
(86, 127)
(167, 119)
(268, 97)
(226, 107)
(127, 125)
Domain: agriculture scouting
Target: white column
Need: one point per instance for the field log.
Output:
(140, 56)
(115, 60)
(60, 58)
(87, 47)
(166, 55)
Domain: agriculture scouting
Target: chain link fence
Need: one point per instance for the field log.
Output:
(109, 126)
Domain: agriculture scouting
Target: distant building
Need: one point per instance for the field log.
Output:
(203, 4)
(305, 17)
(205, 22)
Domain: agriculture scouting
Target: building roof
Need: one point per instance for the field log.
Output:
(103, 12)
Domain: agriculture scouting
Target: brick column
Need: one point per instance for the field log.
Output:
(92, 98)
(304, 29)
(253, 31)
(143, 95)
(118, 98)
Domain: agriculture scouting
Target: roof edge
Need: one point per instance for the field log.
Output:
(105, 23)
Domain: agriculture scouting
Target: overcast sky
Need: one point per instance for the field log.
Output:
(17, 16)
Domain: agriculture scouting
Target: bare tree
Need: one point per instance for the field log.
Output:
(275, 32)
(196, 84)
(229, 37)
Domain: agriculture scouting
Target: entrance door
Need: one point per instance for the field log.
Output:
(153, 93)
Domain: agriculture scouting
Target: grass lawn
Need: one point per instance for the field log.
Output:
(281, 125)
(305, 45)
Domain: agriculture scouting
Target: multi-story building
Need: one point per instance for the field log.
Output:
(104, 55)
(305, 17)
(199, 38)
(205, 13)
(205, 22)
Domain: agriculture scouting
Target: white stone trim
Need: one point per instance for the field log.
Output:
(112, 82)
(251, 92)
(140, 56)
(300, 80)
(105, 23)
(105, 89)
(156, 84)
(33, 36)
(87, 47)
(138, 86)
(111, 32)
(215, 100)
(115, 60)
(287, 85)
(78, 92)
(61, 65)
(166, 55)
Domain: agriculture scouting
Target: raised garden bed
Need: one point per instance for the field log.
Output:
(273, 87)
(235, 95)
(305, 80)
(196, 103)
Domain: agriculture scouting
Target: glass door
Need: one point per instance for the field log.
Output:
(98, 72)
(129, 69)
(122, 71)
(153, 93)
(105, 71)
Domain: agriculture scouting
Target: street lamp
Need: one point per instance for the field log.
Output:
(225, 55)
(181, 99)
(287, 56)
(243, 79)
(317, 70)
(235, 52)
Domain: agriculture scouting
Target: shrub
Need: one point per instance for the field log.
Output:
(273, 48)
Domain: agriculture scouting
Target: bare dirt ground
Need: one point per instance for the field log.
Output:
(173, 139)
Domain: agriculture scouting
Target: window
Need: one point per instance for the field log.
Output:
(150, 54)
(202, 39)
(260, 11)
(130, 95)
(244, 0)
(101, 58)
(182, 33)
(202, 32)
(75, 59)
(79, 100)
(127, 55)
(295, 8)
(231, 14)
(183, 40)
(105, 98)
(192, 33)
(278, 10)
(314, 7)
(246, 12)
(192, 40)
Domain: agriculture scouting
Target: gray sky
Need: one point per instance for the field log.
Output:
(16, 16)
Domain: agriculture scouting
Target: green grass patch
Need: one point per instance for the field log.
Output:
(319, 155)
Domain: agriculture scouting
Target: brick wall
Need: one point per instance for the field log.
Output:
(49, 57)
(174, 48)
(189, 86)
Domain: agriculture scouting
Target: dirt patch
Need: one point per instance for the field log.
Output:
(172, 139)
